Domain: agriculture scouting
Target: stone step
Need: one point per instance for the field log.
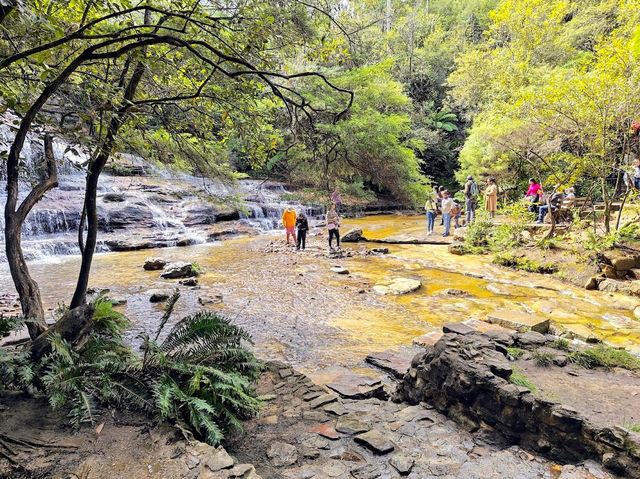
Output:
(518, 321)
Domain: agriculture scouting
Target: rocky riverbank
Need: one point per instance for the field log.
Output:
(468, 377)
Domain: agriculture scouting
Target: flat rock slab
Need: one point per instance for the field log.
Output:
(483, 326)
(339, 270)
(376, 441)
(518, 321)
(397, 286)
(457, 328)
(358, 391)
(326, 430)
(402, 463)
(335, 408)
(396, 363)
(407, 239)
(322, 400)
(428, 339)
(351, 425)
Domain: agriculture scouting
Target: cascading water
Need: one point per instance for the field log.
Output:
(137, 202)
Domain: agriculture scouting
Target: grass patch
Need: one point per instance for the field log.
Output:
(520, 379)
(562, 344)
(509, 260)
(635, 427)
(515, 353)
(605, 357)
(542, 359)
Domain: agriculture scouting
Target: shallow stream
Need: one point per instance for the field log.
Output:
(299, 311)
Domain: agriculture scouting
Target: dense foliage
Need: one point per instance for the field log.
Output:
(199, 377)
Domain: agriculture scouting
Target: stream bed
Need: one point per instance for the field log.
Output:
(301, 312)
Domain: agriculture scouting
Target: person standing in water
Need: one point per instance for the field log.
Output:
(289, 223)
(303, 226)
(491, 197)
(471, 191)
(333, 223)
(447, 206)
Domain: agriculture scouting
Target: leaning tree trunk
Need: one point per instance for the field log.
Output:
(26, 286)
(552, 217)
(607, 206)
(91, 189)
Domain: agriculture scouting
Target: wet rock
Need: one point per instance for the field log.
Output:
(380, 250)
(403, 464)
(454, 292)
(154, 264)
(376, 441)
(322, 400)
(128, 244)
(393, 362)
(398, 286)
(326, 430)
(519, 321)
(158, 296)
(282, 454)
(352, 236)
(188, 282)
(351, 425)
(178, 270)
(339, 270)
(209, 299)
(113, 197)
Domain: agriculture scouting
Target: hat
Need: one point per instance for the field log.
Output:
(469, 177)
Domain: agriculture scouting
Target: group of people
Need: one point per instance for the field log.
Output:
(538, 203)
(293, 221)
(442, 202)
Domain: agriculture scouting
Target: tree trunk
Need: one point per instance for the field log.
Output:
(91, 190)
(74, 327)
(25, 285)
(5, 9)
(607, 206)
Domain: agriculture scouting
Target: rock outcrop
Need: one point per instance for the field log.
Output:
(467, 377)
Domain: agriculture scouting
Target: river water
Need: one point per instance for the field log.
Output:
(299, 311)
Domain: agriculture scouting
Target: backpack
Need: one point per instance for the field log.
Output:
(473, 189)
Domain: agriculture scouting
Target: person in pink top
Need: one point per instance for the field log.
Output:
(534, 194)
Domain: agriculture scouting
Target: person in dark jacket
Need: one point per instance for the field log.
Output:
(303, 226)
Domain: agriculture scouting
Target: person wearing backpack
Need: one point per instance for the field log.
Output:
(471, 191)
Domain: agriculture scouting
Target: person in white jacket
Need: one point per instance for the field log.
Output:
(447, 206)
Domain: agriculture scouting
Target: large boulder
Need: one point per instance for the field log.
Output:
(129, 244)
(179, 269)
(625, 287)
(352, 236)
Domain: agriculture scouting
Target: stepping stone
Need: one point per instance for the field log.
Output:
(335, 408)
(402, 463)
(357, 391)
(428, 339)
(518, 321)
(326, 430)
(351, 425)
(375, 441)
(321, 400)
(394, 362)
(349, 384)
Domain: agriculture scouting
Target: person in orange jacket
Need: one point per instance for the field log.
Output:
(289, 223)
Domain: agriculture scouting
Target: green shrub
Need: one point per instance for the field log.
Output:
(560, 343)
(635, 427)
(195, 269)
(510, 260)
(605, 357)
(520, 379)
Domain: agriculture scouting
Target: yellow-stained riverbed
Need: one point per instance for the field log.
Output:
(300, 311)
